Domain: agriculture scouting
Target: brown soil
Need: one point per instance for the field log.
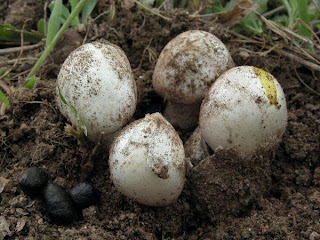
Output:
(32, 133)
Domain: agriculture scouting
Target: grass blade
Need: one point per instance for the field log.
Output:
(303, 14)
(252, 24)
(289, 10)
(56, 38)
(61, 96)
(65, 13)
(112, 11)
(73, 4)
(80, 124)
(298, 9)
(9, 33)
(4, 99)
(302, 9)
(31, 82)
(54, 21)
(87, 10)
(40, 26)
(230, 5)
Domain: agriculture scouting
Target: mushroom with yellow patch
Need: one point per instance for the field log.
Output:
(245, 110)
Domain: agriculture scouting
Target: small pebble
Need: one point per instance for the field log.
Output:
(58, 204)
(33, 181)
(84, 195)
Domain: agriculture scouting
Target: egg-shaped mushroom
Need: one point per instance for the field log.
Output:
(185, 70)
(188, 65)
(245, 109)
(97, 81)
(147, 161)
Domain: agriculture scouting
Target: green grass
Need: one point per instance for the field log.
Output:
(293, 12)
(298, 9)
(4, 99)
(54, 21)
(60, 19)
(9, 33)
(55, 32)
(82, 129)
(60, 13)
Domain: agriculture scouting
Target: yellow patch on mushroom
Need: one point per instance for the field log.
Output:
(268, 83)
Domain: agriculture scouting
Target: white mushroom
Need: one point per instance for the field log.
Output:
(97, 80)
(147, 161)
(245, 109)
(187, 67)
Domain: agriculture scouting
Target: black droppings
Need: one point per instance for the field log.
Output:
(33, 181)
(84, 195)
(58, 204)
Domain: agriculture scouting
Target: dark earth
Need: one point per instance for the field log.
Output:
(32, 133)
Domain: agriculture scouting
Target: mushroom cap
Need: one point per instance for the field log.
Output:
(97, 80)
(188, 65)
(147, 161)
(245, 109)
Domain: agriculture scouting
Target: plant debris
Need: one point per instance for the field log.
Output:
(32, 134)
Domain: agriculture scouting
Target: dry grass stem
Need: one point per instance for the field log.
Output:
(20, 53)
(298, 59)
(5, 87)
(18, 49)
(285, 53)
(315, 2)
(9, 62)
(310, 29)
(273, 11)
(306, 85)
(152, 11)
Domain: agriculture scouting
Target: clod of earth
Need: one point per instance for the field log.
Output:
(225, 184)
(58, 204)
(147, 161)
(84, 195)
(33, 181)
(289, 210)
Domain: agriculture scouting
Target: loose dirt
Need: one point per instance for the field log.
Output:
(32, 133)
